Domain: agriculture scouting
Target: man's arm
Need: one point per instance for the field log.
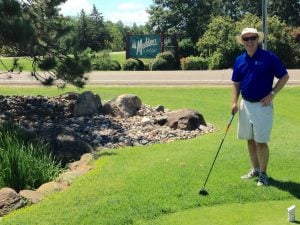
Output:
(235, 96)
(278, 86)
(281, 83)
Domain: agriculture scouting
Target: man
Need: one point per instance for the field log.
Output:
(253, 75)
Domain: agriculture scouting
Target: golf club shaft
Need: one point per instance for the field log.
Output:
(212, 165)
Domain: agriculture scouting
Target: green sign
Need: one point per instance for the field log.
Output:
(144, 46)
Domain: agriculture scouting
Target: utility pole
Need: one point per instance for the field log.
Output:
(264, 22)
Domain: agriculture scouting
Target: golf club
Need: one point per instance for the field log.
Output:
(202, 190)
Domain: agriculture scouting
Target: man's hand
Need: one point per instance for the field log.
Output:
(268, 99)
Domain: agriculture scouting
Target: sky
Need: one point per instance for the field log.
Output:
(127, 11)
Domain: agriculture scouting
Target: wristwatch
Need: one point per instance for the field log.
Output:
(272, 93)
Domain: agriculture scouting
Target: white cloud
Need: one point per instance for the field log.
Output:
(73, 7)
(129, 13)
(130, 6)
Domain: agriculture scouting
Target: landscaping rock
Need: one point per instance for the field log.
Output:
(9, 201)
(87, 104)
(185, 119)
(31, 196)
(124, 106)
(125, 121)
(66, 145)
(51, 187)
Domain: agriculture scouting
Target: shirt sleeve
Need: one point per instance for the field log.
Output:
(279, 68)
(236, 77)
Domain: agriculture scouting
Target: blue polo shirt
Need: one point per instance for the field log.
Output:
(256, 74)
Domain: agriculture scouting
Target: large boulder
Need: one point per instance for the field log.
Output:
(65, 144)
(124, 106)
(9, 201)
(185, 119)
(87, 104)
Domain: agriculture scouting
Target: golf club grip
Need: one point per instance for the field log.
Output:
(230, 121)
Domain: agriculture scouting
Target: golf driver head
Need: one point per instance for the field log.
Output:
(203, 192)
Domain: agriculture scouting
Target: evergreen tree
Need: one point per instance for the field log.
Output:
(34, 28)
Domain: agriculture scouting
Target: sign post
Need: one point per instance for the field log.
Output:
(264, 22)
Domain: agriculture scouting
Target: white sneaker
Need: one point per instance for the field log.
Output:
(263, 180)
(252, 173)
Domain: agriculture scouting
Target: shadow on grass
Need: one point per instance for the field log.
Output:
(288, 186)
(103, 154)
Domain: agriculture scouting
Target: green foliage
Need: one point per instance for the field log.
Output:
(101, 61)
(115, 66)
(215, 61)
(280, 40)
(40, 33)
(186, 48)
(287, 10)
(218, 45)
(159, 64)
(131, 64)
(48, 63)
(194, 63)
(188, 18)
(72, 69)
(168, 56)
(16, 29)
(91, 31)
(117, 41)
(24, 165)
(164, 61)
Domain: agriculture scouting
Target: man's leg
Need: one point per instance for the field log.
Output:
(253, 148)
(263, 156)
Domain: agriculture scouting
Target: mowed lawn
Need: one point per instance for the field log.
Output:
(159, 184)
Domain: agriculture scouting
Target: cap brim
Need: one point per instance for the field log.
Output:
(260, 38)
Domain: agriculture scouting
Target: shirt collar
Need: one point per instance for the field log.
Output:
(256, 54)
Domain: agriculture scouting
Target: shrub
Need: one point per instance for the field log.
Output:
(217, 61)
(131, 64)
(23, 164)
(194, 63)
(101, 61)
(141, 64)
(115, 65)
(159, 64)
(164, 61)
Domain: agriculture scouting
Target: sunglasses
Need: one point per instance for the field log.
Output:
(252, 38)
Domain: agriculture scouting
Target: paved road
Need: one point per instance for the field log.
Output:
(208, 77)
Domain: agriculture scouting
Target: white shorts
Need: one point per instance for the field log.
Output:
(255, 121)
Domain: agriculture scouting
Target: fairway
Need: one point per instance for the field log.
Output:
(263, 213)
(159, 184)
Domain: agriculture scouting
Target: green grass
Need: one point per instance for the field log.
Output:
(118, 56)
(159, 184)
(25, 63)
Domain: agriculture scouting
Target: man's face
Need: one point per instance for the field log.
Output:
(250, 41)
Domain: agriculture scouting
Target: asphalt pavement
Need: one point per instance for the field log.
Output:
(206, 77)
